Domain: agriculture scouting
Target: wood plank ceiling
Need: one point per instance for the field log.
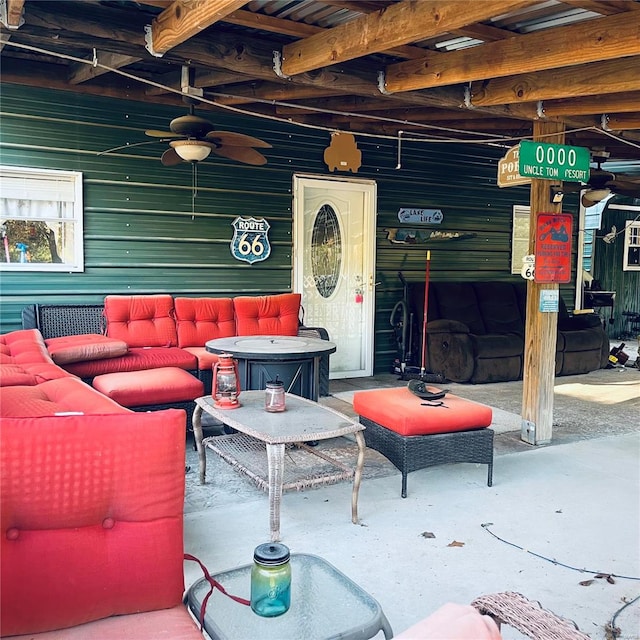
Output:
(433, 69)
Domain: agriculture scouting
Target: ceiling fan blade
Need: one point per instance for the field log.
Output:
(625, 186)
(232, 139)
(170, 158)
(572, 187)
(241, 154)
(155, 133)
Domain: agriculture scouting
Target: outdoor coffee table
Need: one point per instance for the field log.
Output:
(324, 604)
(293, 359)
(303, 421)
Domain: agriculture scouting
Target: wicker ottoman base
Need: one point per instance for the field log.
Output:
(410, 453)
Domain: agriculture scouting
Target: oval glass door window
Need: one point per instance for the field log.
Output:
(326, 251)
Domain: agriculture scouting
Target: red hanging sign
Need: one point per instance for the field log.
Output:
(553, 247)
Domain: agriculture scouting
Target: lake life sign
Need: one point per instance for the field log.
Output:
(420, 216)
(554, 161)
(250, 242)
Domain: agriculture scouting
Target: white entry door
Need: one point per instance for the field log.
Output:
(334, 266)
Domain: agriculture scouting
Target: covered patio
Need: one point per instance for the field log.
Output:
(555, 518)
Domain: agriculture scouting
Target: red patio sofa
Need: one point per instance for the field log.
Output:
(163, 331)
(92, 507)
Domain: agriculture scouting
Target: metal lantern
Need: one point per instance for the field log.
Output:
(226, 382)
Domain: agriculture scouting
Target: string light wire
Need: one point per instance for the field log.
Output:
(448, 140)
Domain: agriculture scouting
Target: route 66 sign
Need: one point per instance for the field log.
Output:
(250, 242)
(529, 267)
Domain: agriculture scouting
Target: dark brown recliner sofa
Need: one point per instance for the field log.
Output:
(475, 332)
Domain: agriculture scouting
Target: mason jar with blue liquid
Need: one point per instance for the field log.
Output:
(271, 580)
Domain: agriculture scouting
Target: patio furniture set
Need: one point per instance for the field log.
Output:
(57, 496)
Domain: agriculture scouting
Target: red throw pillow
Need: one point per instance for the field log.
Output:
(90, 346)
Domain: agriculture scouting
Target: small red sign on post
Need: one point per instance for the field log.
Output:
(553, 247)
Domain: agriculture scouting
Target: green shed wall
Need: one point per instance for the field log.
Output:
(141, 236)
(608, 260)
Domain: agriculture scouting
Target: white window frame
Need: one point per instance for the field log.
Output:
(631, 240)
(22, 181)
(521, 221)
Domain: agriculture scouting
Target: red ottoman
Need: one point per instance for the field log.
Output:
(414, 436)
(151, 389)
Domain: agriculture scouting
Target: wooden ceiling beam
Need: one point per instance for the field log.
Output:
(301, 30)
(79, 72)
(270, 91)
(396, 25)
(53, 76)
(611, 76)
(420, 115)
(604, 7)
(246, 56)
(623, 102)
(479, 125)
(184, 19)
(589, 41)
(623, 121)
(14, 10)
(484, 32)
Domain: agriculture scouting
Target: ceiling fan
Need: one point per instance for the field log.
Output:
(192, 138)
(602, 183)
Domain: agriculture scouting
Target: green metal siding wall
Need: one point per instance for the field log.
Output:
(141, 237)
(608, 263)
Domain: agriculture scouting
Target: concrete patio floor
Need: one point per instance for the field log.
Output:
(575, 502)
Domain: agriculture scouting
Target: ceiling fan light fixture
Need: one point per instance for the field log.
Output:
(593, 196)
(192, 150)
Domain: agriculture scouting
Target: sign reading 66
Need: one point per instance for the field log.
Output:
(250, 242)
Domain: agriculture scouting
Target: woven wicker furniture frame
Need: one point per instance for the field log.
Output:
(303, 421)
(410, 453)
(527, 616)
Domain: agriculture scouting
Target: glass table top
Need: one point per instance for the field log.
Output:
(324, 604)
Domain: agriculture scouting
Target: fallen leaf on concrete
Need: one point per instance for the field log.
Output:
(608, 577)
(455, 543)
(586, 583)
(428, 534)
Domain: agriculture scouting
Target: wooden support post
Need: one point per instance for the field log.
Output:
(540, 328)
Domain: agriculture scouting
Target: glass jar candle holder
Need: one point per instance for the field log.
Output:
(274, 398)
(271, 580)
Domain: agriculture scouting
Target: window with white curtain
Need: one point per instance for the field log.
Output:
(631, 246)
(41, 220)
(519, 236)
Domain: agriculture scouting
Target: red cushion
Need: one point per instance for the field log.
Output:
(53, 397)
(92, 517)
(13, 374)
(24, 346)
(206, 359)
(141, 321)
(267, 315)
(136, 359)
(174, 623)
(202, 319)
(401, 411)
(89, 346)
(153, 386)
